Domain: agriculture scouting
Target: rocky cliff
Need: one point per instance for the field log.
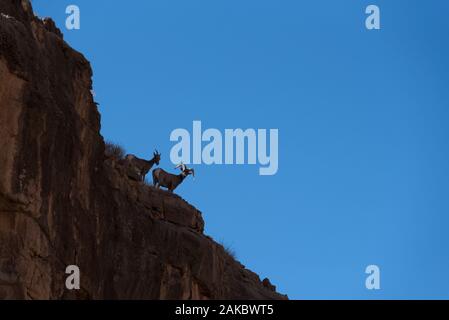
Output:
(62, 202)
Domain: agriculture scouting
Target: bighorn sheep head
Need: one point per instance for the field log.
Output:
(184, 170)
(156, 157)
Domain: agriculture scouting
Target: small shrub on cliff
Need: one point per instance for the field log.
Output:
(229, 250)
(113, 150)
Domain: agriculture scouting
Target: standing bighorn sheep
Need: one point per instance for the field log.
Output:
(162, 178)
(140, 167)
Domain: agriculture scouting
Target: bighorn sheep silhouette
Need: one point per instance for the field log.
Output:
(141, 166)
(162, 178)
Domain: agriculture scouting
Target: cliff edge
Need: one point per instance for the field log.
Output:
(62, 202)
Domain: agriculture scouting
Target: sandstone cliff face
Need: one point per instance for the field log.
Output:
(62, 202)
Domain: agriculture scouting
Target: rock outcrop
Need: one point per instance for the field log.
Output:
(62, 202)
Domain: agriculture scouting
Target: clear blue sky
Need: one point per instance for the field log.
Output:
(362, 116)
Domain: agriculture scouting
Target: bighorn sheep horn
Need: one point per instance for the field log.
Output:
(182, 166)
